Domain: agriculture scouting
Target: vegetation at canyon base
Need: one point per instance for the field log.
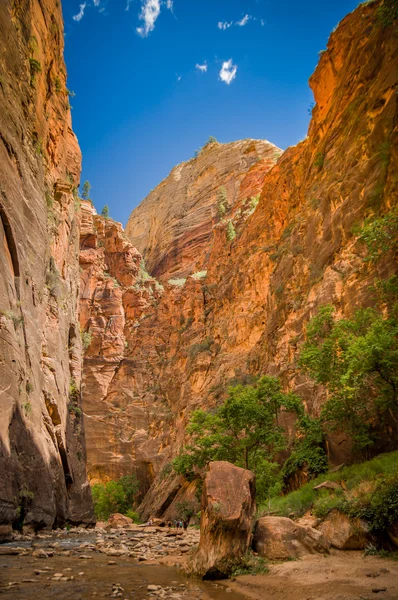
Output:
(369, 491)
(115, 497)
(355, 359)
(246, 430)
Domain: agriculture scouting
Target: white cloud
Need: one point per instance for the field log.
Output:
(224, 25)
(202, 68)
(262, 22)
(243, 21)
(169, 4)
(228, 71)
(149, 13)
(128, 4)
(96, 2)
(80, 14)
(179, 77)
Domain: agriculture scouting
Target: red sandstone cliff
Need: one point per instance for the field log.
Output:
(173, 226)
(42, 453)
(247, 314)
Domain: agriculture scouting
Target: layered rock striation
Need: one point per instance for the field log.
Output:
(173, 227)
(239, 300)
(42, 452)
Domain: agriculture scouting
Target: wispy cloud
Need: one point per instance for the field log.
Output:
(224, 24)
(228, 71)
(80, 14)
(128, 4)
(169, 4)
(243, 21)
(149, 13)
(202, 68)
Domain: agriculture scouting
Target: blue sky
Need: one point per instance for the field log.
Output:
(154, 81)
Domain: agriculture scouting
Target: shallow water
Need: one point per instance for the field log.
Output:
(98, 579)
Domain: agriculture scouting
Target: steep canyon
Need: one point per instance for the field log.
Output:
(214, 280)
(237, 286)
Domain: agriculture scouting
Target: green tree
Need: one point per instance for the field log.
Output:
(231, 233)
(86, 190)
(114, 496)
(356, 359)
(105, 211)
(245, 431)
(222, 201)
(211, 139)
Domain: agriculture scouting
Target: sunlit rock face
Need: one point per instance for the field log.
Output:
(237, 305)
(42, 452)
(174, 226)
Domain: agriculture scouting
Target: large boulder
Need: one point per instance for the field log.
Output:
(280, 538)
(118, 521)
(343, 532)
(228, 506)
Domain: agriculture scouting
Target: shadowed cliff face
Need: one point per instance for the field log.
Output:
(42, 452)
(173, 226)
(295, 252)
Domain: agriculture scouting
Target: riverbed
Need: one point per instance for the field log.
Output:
(69, 566)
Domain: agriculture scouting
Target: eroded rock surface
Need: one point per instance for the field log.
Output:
(228, 507)
(42, 453)
(173, 227)
(344, 532)
(246, 315)
(280, 538)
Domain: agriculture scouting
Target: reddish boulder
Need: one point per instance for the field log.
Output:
(343, 532)
(280, 538)
(118, 521)
(228, 507)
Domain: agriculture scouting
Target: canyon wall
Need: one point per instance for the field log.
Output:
(43, 478)
(173, 226)
(164, 351)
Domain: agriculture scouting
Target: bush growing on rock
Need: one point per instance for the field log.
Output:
(357, 360)
(115, 497)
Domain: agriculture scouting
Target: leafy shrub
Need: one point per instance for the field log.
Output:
(356, 359)
(230, 233)
(35, 67)
(105, 211)
(222, 202)
(87, 338)
(114, 496)
(199, 275)
(204, 346)
(177, 282)
(387, 13)
(319, 160)
(380, 235)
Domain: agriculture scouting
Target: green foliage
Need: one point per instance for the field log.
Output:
(380, 235)
(356, 359)
(199, 275)
(35, 67)
(16, 318)
(319, 160)
(308, 450)
(251, 565)
(74, 393)
(87, 338)
(254, 200)
(222, 202)
(105, 211)
(27, 408)
(185, 510)
(357, 476)
(75, 410)
(212, 140)
(57, 84)
(133, 515)
(114, 496)
(387, 13)
(177, 282)
(204, 346)
(230, 233)
(244, 430)
(86, 192)
(70, 93)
